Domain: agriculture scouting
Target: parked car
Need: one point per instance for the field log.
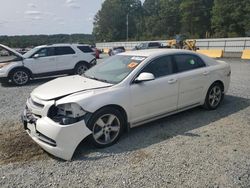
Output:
(128, 90)
(44, 60)
(148, 45)
(116, 50)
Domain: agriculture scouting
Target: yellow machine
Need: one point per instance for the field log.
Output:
(188, 44)
(172, 43)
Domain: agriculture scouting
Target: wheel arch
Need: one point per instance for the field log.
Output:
(20, 68)
(119, 108)
(115, 106)
(219, 82)
(82, 62)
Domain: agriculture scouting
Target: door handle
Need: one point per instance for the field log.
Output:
(172, 81)
(205, 73)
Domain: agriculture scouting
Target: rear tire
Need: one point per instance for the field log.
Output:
(20, 77)
(80, 68)
(107, 126)
(214, 96)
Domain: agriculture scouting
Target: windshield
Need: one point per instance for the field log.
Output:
(142, 45)
(30, 53)
(114, 69)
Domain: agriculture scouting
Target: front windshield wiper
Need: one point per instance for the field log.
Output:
(99, 79)
(94, 78)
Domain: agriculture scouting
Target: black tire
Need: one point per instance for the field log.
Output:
(100, 131)
(215, 95)
(80, 68)
(19, 77)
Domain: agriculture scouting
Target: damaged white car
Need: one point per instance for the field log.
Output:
(125, 91)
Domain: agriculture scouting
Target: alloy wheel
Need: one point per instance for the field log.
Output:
(106, 129)
(215, 95)
(20, 77)
(81, 69)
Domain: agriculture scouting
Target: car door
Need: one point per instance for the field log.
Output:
(192, 76)
(66, 58)
(156, 97)
(42, 61)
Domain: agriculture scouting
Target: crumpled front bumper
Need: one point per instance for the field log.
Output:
(58, 140)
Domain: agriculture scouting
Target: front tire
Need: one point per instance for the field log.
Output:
(20, 77)
(214, 96)
(107, 125)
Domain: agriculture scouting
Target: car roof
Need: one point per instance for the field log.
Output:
(155, 52)
(61, 44)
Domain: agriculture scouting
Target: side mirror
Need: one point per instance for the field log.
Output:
(36, 56)
(145, 76)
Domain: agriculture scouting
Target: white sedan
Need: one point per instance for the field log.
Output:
(125, 91)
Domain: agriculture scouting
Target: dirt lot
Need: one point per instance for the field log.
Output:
(196, 148)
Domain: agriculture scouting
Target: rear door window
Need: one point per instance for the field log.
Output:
(85, 49)
(186, 62)
(64, 50)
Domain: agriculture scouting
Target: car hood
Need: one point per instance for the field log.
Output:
(12, 50)
(64, 86)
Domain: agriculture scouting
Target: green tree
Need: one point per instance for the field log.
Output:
(230, 18)
(170, 18)
(35, 40)
(195, 17)
(247, 18)
(110, 21)
(152, 28)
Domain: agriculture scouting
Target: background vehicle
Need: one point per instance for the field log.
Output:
(180, 42)
(128, 90)
(188, 44)
(45, 60)
(116, 50)
(148, 45)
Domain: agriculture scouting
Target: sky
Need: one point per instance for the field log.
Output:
(27, 17)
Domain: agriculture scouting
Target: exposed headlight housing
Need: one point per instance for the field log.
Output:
(66, 114)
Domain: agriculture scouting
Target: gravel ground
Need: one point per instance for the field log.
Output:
(196, 148)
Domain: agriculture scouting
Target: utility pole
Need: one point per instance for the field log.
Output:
(130, 6)
(127, 26)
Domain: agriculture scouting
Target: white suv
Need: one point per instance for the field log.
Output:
(46, 60)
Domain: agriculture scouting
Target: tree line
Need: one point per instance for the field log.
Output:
(162, 19)
(36, 40)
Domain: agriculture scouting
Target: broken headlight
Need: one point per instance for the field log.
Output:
(66, 114)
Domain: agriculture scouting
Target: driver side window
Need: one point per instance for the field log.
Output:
(44, 52)
(160, 67)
